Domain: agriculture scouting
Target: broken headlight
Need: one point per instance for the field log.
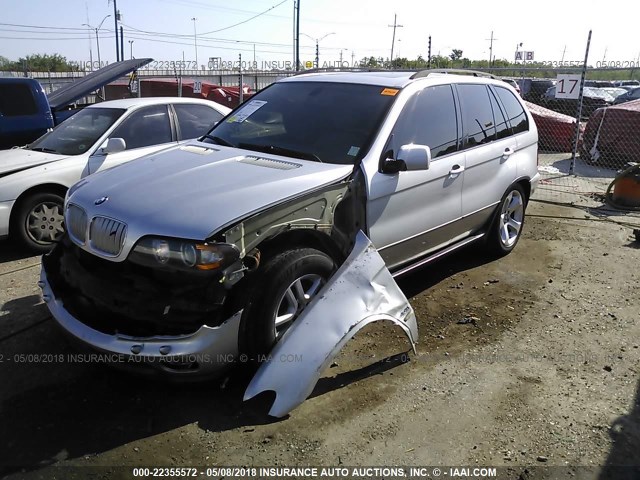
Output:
(183, 254)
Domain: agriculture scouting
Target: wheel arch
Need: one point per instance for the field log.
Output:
(55, 188)
(301, 238)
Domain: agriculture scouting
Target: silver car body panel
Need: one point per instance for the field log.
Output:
(448, 212)
(361, 292)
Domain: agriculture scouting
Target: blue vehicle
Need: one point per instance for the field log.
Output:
(27, 112)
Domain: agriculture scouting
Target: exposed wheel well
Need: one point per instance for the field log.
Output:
(46, 187)
(525, 183)
(301, 238)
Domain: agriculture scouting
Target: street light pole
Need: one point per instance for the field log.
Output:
(318, 40)
(130, 48)
(97, 39)
(195, 40)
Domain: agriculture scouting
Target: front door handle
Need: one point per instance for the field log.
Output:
(456, 169)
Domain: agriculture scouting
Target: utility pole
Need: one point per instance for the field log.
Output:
(195, 40)
(491, 40)
(429, 54)
(393, 40)
(353, 58)
(115, 28)
(131, 49)
(298, 36)
(121, 43)
(86, 6)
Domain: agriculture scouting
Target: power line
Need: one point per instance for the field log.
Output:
(247, 20)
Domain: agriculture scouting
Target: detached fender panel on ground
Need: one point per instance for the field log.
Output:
(361, 292)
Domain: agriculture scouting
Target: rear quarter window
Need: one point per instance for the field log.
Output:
(516, 115)
(16, 99)
(477, 114)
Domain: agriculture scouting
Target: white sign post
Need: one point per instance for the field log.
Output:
(568, 86)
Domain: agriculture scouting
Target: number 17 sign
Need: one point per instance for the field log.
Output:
(568, 86)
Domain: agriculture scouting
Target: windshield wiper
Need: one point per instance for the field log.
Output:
(275, 150)
(43, 149)
(219, 141)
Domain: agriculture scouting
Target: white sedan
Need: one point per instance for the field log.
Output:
(34, 179)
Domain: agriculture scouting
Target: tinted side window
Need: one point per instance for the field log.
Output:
(17, 99)
(148, 126)
(477, 116)
(429, 118)
(502, 127)
(195, 120)
(515, 113)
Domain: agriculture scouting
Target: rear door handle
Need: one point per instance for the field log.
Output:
(508, 152)
(456, 169)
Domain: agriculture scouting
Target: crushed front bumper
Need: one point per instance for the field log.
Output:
(207, 352)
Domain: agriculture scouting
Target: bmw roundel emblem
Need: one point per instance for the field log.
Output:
(100, 201)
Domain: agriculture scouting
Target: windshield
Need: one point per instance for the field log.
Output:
(321, 121)
(78, 133)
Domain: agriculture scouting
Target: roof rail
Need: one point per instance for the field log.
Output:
(353, 69)
(453, 71)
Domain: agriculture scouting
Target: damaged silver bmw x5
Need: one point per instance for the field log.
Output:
(189, 257)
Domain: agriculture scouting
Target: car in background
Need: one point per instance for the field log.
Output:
(34, 179)
(27, 111)
(598, 83)
(615, 92)
(533, 89)
(513, 83)
(628, 96)
(627, 83)
(593, 98)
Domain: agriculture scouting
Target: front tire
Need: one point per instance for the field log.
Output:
(506, 228)
(288, 282)
(38, 222)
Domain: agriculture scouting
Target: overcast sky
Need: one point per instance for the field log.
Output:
(359, 28)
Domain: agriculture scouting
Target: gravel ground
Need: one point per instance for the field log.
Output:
(529, 360)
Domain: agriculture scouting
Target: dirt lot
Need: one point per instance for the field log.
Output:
(545, 373)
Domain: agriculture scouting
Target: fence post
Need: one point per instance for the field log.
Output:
(576, 135)
(240, 92)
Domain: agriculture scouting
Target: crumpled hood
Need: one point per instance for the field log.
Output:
(194, 190)
(18, 159)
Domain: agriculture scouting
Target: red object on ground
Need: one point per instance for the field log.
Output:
(168, 87)
(612, 136)
(555, 130)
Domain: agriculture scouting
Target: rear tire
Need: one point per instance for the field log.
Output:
(507, 224)
(288, 282)
(38, 222)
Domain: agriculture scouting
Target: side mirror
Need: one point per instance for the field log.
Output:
(409, 157)
(114, 145)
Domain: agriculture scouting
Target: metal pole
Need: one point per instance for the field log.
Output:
(131, 49)
(429, 54)
(98, 45)
(115, 28)
(579, 112)
(195, 40)
(317, 54)
(298, 37)
(240, 81)
(121, 43)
